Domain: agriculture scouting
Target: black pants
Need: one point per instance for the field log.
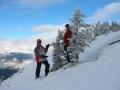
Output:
(47, 66)
(65, 48)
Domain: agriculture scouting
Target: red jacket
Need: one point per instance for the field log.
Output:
(67, 36)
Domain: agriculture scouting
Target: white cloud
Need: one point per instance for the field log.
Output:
(106, 12)
(40, 3)
(47, 28)
(16, 46)
(47, 33)
(27, 45)
(29, 3)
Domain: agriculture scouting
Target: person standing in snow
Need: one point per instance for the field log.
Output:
(40, 55)
(67, 36)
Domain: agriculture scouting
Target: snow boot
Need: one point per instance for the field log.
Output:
(46, 74)
(36, 77)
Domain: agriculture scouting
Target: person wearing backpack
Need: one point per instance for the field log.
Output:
(41, 58)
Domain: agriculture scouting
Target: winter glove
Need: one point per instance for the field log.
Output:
(44, 56)
(47, 46)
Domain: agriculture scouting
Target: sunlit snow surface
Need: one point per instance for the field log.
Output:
(98, 70)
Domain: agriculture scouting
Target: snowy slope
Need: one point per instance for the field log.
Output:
(100, 74)
(98, 45)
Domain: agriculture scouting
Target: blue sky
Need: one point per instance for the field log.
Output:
(20, 18)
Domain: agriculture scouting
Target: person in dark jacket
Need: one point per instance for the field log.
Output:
(67, 36)
(40, 55)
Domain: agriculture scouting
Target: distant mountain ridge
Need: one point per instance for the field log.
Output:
(17, 55)
(13, 58)
(10, 63)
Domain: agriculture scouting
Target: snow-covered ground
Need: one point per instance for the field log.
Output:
(98, 70)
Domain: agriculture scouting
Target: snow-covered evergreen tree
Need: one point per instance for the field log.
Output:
(89, 33)
(77, 41)
(58, 53)
(97, 29)
(118, 26)
(0, 81)
(82, 35)
(105, 28)
(115, 26)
